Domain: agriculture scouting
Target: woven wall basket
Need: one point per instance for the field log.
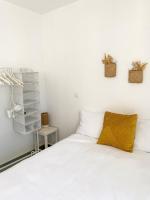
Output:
(110, 70)
(135, 76)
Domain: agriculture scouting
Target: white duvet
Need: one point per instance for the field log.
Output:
(78, 169)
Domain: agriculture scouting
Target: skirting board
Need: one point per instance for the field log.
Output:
(13, 162)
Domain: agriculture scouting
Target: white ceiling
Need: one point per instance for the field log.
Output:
(41, 6)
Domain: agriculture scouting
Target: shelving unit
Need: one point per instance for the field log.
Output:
(28, 120)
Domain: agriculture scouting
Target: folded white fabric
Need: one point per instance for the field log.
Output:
(142, 138)
(90, 123)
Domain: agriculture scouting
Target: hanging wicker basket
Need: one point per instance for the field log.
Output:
(110, 70)
(135, 76)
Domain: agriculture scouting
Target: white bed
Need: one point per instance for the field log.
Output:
(79, 169)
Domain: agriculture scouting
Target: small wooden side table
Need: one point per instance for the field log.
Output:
(47, 131)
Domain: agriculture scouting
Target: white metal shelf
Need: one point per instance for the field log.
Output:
(27, 112)
(29, 127)
(30, 91)
(29, 102)
(29, 83)
(28, 120)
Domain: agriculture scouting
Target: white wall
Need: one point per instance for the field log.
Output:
(20, 45)
(74, 41)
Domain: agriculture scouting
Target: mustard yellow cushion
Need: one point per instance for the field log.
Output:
(118, 131)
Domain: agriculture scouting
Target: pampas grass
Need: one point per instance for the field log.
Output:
(138, 65)
(108, 59)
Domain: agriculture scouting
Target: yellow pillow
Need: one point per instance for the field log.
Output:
(118, 131)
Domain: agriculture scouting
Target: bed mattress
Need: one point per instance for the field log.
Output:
(79, 169)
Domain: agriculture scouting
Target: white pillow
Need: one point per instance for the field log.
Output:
(142, 138)
(90, 123)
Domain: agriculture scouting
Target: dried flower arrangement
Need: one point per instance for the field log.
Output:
(138, 65)
(108, 59)
(136, 73)
(110, 66)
